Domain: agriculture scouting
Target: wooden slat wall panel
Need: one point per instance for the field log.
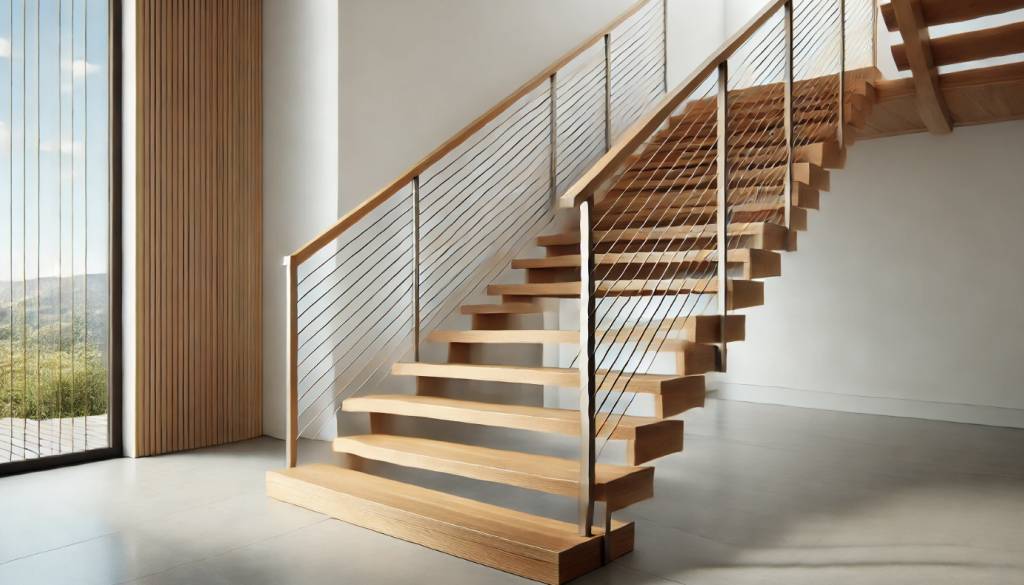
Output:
(199, 223)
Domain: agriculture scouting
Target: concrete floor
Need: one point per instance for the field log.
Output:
(762, 494)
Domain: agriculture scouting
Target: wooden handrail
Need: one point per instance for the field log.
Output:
(646, 126)
(350, 219)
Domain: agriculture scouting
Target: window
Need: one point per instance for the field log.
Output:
(55, 220)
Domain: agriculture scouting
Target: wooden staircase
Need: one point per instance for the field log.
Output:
(656, 234)
(534, 547)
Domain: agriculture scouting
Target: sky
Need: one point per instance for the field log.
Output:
(53, 138)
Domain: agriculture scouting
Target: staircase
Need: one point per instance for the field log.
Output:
(684, 206)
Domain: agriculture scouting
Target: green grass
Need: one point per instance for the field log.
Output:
(51, 388)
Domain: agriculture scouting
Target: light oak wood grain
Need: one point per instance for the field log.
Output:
(930, 103)
(936, 12)
(530, 546)
(564, 377)
(619, 486)
(199, 217)
(970, 46)
(528, 418)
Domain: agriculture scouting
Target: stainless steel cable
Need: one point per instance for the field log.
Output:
(617, 356)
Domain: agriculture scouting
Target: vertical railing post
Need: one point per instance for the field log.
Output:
(874, 33)
(416, 268)
(722, 212)
(292, 364)
(554, 140)
(587, 379)
(842, 74)
(788, 66)
(607, 92)
(664, 48)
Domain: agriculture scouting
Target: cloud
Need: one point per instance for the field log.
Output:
(80, 68)
(66, 146)
(5, 47)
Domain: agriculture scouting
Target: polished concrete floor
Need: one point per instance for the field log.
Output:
(762, 494)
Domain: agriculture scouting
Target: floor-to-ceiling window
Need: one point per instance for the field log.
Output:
(55, 229)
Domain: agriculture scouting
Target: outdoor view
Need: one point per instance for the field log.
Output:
(53, 227)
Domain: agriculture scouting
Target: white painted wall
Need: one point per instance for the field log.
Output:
(905, 295)
(413, 73)
(696, 28)
(129, 352)
(357, 91)
(300, 161)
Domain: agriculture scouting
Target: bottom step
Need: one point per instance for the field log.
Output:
(530, 546)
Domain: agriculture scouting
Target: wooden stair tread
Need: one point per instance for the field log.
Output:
(532, 546)
(692, 329)
(513, 416)
(573, 260)
(501, 309)
(564, 377)
(504, 336)
(675, 232)
(638, 287)
(624, 485)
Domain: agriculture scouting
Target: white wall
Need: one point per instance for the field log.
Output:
(413, 73)
(696, 28)
(905, 295)
(355, 92)
(300, 161)
(129, 352)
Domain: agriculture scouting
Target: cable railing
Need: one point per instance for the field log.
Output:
(676, 215)
(362, 294)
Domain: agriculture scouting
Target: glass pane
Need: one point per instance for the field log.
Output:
(54, 209)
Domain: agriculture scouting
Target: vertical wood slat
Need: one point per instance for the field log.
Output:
(200, 224)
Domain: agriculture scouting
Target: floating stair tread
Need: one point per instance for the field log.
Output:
(501, 309)
(564, 377)
(626, 485)
(657, 233)
(639, 332)
(639, 287)
(513, 416)
(531, 546)
(504, 336)
(741, 256)
(693, 329)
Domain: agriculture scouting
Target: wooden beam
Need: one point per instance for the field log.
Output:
(970, 46)
(930, 103)
(938, 12)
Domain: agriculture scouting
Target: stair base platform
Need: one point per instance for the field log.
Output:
(529, 546)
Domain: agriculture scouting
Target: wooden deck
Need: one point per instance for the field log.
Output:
(22, 439)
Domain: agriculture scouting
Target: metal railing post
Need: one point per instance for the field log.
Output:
(722, 212)
(416, 268)
(874, 33)
(607, 92)
(292, 364)
(587, 379)
(554, 140)
(842, 74)
(664, 53)
(788, 66)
